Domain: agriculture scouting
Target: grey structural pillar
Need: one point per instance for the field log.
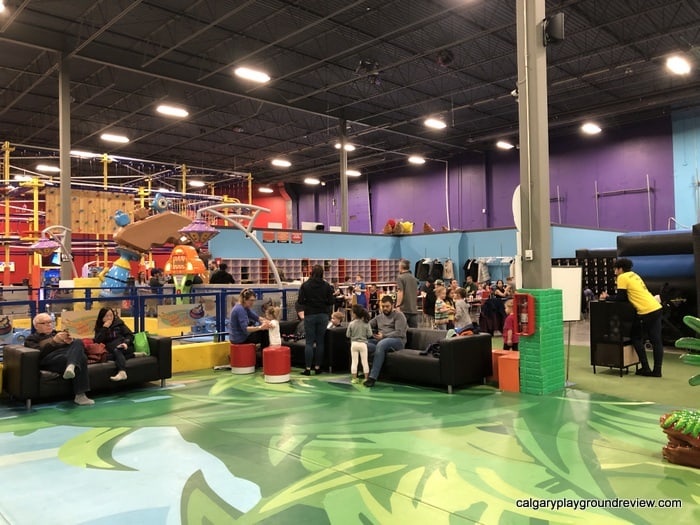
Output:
(534, 145)
(342, 128)
(64, 163)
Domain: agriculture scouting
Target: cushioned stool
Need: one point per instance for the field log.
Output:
(242, 358)
(496, 354)
(277, 364)
(509, 372)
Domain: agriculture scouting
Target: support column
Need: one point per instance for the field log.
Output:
(343, 176)
(542, 368)
(542, 363)
(534, 145)
(64, 163)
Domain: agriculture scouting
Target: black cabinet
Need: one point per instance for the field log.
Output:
(611, 344)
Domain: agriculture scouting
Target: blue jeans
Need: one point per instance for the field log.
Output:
(379, 349)
(315, 328)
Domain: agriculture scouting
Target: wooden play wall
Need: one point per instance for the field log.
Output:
(91, 211)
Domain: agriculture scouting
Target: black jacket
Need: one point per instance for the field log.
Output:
(221, 277)
(44, 343)
(115, 335)
(316, 297)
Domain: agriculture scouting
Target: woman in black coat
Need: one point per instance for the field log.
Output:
(118, 339)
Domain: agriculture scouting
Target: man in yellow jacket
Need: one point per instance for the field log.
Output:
(631, 287)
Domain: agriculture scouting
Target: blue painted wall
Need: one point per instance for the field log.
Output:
(686, 166)
(457, 246)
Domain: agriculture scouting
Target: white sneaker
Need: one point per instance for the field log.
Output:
(140, 354)
(83, 400)
(69, 373)
(121, 376)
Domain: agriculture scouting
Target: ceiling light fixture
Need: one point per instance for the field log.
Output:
(281, 163)
(678, 65)
(353, 173)
(416, 159)
(348, 146)
(111, 137)
(252, 74)
(196, 183)
(172, 111)
(22, 178)
(435, 123)
(83, 154)
(2, 6)
(47, 168)
(502, 144)
(590, 128)
(265, 189)
(312, 181)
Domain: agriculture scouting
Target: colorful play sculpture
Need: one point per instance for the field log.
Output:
(184, 263)
(135, 239)
(692, 344)
(683, 426)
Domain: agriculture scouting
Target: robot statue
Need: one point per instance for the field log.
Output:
(135, 239)
(682, 427)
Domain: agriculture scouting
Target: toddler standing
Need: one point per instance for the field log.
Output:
(273, 315)
(358, 331)
(510, 332)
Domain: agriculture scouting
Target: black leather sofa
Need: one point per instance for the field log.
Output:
(336, 358)
(23, 380)
(462, 360)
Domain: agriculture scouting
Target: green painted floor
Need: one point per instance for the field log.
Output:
(218, 448)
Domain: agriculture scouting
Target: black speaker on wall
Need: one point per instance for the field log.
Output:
(553, 27)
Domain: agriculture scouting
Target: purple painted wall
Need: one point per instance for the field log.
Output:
(618, 160)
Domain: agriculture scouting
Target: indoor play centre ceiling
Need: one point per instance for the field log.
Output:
(383, 66)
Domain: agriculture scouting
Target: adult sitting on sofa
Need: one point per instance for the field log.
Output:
(389, 329)
(25, 380)
(60, 353)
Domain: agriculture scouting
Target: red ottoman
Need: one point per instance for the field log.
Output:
(277, 364)
(242, 358)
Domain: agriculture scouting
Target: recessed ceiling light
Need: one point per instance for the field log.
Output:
(678, 65)
(196, 183)
(435, 123)
(281, 163)
(416, 159)
(48, 169)
(312, 181)
(111, 137)
(172, 111)
(348, 146)
(590, 128)
(353, 173)
(504, 144)
(252, 74)
(265, 189)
